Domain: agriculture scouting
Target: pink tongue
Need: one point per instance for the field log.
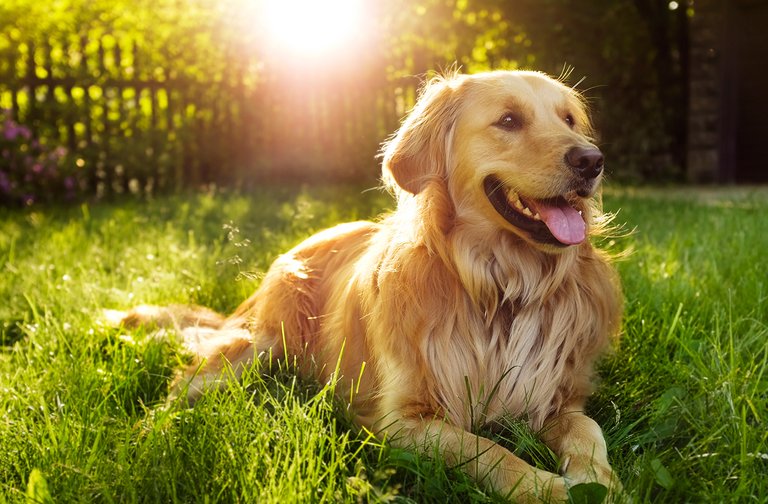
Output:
(564, 222)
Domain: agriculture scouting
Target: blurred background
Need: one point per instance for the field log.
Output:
(106, 97)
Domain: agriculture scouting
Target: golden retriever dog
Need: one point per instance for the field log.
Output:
(480, 296)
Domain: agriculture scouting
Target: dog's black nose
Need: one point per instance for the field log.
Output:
(586, 162)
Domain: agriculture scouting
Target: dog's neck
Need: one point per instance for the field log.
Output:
(511, 270)
(493, 265)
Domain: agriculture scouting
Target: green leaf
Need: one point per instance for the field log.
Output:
(662, 475)
(587, 493)
(402, 458)
(670, 396)
(37, 489)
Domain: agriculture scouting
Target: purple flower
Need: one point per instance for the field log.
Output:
(69, 183)
(13, 130)
(10, 130)
(24, 131)
(37, 168)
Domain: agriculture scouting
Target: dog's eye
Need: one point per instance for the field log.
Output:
(569, 120)
(510, 121)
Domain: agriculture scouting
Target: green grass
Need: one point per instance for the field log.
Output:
(683, 401)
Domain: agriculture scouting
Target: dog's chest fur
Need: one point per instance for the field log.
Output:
(524, 353)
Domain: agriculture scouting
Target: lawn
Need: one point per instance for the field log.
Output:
(683, 400)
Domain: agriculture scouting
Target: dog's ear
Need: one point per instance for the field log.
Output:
(420, 150)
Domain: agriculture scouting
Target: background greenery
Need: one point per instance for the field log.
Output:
(157, 95)
(682, 401)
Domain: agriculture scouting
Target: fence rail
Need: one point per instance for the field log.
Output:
(129, 124)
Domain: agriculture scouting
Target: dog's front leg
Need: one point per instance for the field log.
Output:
(490, 464)
(579, 442)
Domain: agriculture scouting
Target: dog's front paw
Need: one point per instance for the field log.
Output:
(554, 490)
(534, 487)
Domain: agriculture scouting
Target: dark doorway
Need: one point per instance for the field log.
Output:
(745, 107)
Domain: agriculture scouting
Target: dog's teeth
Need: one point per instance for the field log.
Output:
(514, 199)
(536, 216)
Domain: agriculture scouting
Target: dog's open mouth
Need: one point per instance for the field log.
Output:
(552, 221)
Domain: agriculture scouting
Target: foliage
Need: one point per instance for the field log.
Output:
(682, 401)
(165, 94)
(31, 172)
(631, 57)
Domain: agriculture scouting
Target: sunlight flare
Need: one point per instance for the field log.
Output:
(311, 28)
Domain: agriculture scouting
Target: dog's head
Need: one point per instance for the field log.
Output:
(511, 146)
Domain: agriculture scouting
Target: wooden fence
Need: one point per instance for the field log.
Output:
(129, 124)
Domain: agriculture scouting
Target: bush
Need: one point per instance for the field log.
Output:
(30, 171)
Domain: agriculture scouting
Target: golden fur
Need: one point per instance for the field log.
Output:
(458, 316)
